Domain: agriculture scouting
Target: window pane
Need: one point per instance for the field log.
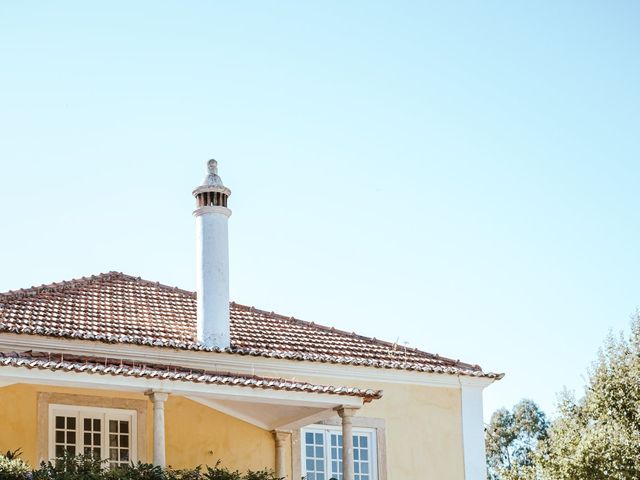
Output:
(87, 424)
(113, 440)
(59, 422)
(71, 423)
(124, 441)
(124, 427)
(87, 438)
(59, 436)
(113, 426)
(96, 424)
(71, 437)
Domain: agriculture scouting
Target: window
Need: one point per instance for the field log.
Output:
(105, 433)
(322, 453)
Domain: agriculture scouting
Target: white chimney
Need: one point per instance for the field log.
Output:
(212, 255)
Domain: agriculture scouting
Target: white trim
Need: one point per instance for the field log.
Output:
(212, 209)
(236, 363)
(105, 414)
(110, 382)
(473, 433)
(314, 418)
(207, 402)
(326, 430)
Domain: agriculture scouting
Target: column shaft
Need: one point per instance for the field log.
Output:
(159, 450)
(347, 441)
(281, 439)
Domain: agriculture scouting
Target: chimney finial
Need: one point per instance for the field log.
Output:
(212, 179)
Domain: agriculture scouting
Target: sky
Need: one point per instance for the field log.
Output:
(461, 177)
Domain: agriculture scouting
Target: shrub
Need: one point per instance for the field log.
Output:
(12, 467)
(86, 467)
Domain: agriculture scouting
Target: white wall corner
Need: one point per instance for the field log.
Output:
(475, 467)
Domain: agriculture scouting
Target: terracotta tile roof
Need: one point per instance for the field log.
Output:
(105, 366)
(114, 307)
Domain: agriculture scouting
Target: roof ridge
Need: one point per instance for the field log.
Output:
(34, 289)
(377, 341)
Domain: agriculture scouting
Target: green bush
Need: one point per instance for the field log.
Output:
(86, 467)
(12, 467)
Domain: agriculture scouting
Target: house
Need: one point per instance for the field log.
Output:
(130, 369)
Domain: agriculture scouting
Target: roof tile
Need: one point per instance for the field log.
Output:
(118, 308)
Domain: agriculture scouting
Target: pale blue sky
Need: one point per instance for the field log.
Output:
(462, 176)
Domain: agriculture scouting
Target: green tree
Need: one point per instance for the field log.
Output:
(511, 439)
(598, 436)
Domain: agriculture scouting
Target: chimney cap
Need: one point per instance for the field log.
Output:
(212, 181)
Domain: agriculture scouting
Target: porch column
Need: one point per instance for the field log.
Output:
(159, 453)
(281, 439)
(346, 413)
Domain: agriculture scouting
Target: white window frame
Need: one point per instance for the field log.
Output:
(327, 430)
(105, 414)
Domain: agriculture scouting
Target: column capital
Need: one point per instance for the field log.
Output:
(157, 396)
(281, 435)
(346, 412)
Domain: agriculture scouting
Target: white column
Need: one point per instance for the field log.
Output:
(212, 275)
(159, 450)
(475, 467)
(281, 439)
(346, 413)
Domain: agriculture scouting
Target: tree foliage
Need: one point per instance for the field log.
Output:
(598, 436)
(511, 441)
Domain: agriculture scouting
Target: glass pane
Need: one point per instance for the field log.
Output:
(309, 465)
(71, 423)
(87, 424)
(59, 436)
(71, 437)
(124, 440)
(59, 451)
(308, 437)
(113, 440)
(364, 441)
(113, 426)
(319, 452)
(71, 450)
(124, 427)
(87, 439)
(96, 439)
(124, 455)
(96, 424)
(364, 454)
(319, 438)
(113, 454)
(59, 422)
(356, 442)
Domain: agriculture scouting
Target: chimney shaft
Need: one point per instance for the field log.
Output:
(212, 259)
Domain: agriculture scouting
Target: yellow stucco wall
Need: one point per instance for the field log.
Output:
(198, 435)
(423, 429)
(195, 434)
